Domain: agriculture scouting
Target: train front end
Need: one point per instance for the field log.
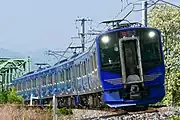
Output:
(131, 66)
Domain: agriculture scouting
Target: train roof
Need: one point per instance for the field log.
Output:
(129, 28)
(57, 67)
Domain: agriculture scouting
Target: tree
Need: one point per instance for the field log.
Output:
(167, 19)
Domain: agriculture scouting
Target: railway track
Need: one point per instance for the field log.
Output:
(117, 114)
(122, 114)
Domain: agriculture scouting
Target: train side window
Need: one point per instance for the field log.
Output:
(50, 79)
(58, 76)
(19, 86)
(27, 85)
(34, 83)
(88, 66)
(22, 86)
(16, 87)
(44, 80)
(38, 79)
(80, 70)
(67, 73)
(85, 67)
(31, 83)
(64, 76)
(70, 73)
(77, 71)
(91, 62)
(95, 60)
(55, 77)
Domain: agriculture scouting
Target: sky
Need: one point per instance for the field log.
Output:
(32, 25)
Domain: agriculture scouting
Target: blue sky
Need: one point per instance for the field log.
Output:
(30, 25)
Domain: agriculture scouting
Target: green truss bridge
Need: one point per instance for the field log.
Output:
(11, 69)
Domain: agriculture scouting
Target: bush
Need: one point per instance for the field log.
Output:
(174, 117)
(64, 111)
(10, 97)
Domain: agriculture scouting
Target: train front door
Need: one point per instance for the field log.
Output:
(130, 60)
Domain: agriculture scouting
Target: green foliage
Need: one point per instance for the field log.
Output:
(64, 111)
(174, 117)
(167, 19)
(10, 97)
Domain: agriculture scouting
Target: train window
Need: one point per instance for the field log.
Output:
(18, 85)
(44, 80)
(80, 71)
(109, 52)
(56, 77)
(29, 84)
(110, 56)
(150, 48)
(95, 61)
(53, 78)
(67, 74)
(77, 70)
(88, 66)
(23, 85)
(71, 73)
(150, 45)
(84, 68)
(64, 75)
(50, 79)
(34, 82)
(92, 66)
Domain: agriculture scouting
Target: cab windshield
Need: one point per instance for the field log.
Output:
(149, 44)
(109, 49)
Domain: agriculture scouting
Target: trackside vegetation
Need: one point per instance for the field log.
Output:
(10, 97)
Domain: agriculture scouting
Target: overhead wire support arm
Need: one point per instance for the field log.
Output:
(83, 20)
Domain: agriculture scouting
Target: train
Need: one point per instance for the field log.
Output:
(124, 67)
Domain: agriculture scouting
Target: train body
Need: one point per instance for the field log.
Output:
(124, 67)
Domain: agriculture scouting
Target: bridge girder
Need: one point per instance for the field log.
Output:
(11, 69)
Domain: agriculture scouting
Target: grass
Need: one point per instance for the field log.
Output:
(14, 112)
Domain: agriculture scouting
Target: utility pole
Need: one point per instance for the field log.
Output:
(144, 13)
(83, 20)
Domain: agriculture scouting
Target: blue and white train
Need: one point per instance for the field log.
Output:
(125, 67)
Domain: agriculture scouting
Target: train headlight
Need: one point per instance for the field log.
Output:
(105, 39)
(152, 34)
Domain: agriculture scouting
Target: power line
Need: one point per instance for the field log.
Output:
(170, 3)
